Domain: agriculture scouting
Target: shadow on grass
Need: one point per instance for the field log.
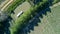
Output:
(34, 22)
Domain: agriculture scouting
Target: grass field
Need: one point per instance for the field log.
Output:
(50, 24)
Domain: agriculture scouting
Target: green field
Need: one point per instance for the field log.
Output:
(50, 24)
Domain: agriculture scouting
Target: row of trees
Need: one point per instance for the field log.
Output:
(26, 16)
(22, 21)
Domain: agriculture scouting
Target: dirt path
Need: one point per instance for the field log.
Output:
(6, 5)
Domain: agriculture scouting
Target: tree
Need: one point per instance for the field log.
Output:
(4, 22)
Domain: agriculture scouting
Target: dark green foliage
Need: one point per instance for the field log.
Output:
(4, 22)
(22, 21)
(25, 17)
